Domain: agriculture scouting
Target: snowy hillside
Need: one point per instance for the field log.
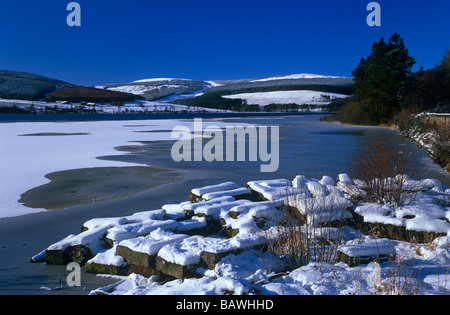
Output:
(297, 76)
(287, 97)
(158, 88)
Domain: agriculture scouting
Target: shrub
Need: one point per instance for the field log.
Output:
(352, 112)
(383, 166)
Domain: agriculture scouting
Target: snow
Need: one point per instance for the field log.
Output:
(192, 224)
(107, 108)
(107, 257)
(153, 242)
(252, 265)
(189, 250)
(122, 232)
(21, 171)
(133, 89)
(419, 215)
(272, 189)
(214, 188)
(91, 239)
(233, 192)
(286, 97)
(153, 80)
(297, 76)
(245, 222)
(139, 285)
(373, 248)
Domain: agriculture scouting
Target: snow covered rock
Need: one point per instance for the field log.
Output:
(141, 251)
(135, 218)
(181, 260)
(108, 262)
(250, 218)
(196, 225)
(212, 255)
(420, 221)
(123, 232)
(322, 209)
(377, 250)
(197, 193)
(76, 248)
(272, 189)
(238, 193)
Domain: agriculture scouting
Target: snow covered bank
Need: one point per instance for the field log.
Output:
(227, 245)
(40, 107)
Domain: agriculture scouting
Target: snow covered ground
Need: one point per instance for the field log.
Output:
(286, 97)
(130, 107)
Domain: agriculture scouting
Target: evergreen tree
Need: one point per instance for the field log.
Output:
(430, 89)
(381, 79)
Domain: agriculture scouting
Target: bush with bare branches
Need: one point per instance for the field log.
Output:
(383, 167)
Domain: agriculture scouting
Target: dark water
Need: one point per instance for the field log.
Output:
(307, 147)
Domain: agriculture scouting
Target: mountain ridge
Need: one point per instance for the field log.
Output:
(28, 86)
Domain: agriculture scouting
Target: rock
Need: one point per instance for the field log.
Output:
(378, 250)
(196, 194)
(176, 270)
(140, 253)
(97, 268)
(136, 258)
(76, 253)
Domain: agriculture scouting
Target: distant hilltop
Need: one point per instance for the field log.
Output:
(27, 86)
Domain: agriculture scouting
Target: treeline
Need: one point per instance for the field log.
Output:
(346, 89)
(385, 87)
(31, 91)
(31, 110)
(285, 108)
(215, 100)
(26, 86)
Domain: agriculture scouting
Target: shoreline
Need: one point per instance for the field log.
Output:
(395, 128)
(93, 185)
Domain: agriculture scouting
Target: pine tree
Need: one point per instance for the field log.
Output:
(381, 79)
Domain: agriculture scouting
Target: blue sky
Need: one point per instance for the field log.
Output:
(122, 41)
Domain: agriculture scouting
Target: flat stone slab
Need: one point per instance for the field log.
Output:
(378, 250)
(182, 259)
(196, 194)
(108, 263)
(142, 251)
(77, 248)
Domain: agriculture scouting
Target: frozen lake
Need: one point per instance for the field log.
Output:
(307, 147)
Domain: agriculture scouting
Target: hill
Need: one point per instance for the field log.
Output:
(26, 86)
(283, 93)
(158, 88)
